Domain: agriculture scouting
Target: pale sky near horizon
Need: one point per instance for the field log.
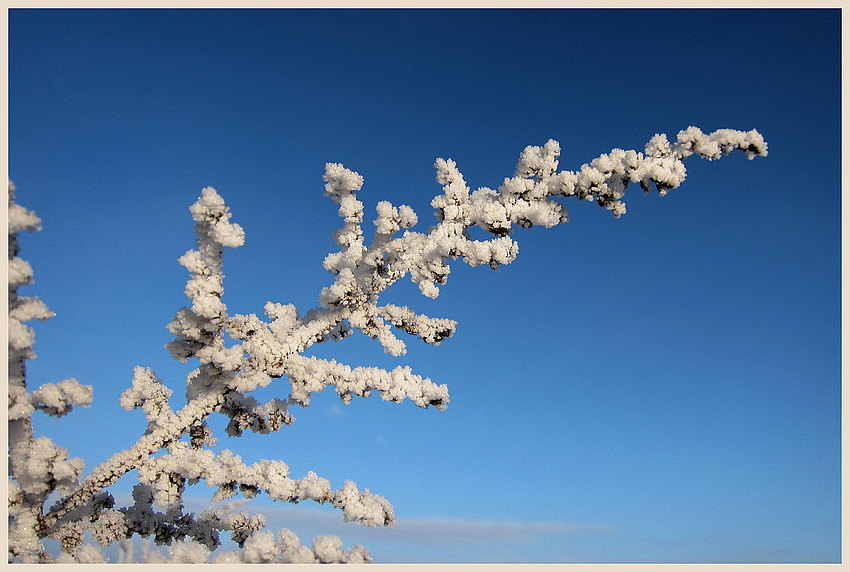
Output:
(663, 387)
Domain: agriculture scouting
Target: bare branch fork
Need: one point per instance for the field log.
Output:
(267, 349)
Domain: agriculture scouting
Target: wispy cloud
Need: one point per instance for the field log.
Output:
(457, 531)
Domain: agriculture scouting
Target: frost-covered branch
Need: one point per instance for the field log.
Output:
(37, 466)
(240, 353)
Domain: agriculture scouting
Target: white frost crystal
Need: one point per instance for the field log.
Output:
(58, 398)
(210, 211)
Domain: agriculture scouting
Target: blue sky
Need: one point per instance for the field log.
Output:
(663, 387)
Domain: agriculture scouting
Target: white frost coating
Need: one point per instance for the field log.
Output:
(186, 552)
(209, 210)
(340, 181)
(262, 547)
(59, 399)
(20, 218)
(20, 336)
(27, 309)
(20, 272)
(291, 549)
(148, 393)
(88, 554)
(238, 354)
(538, 162)
(310, 375)
(48, 468)
(430, 330)
(364, 507)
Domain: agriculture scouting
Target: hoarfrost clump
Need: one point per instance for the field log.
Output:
(174, 450)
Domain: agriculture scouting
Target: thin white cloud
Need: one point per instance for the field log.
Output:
(456, 531)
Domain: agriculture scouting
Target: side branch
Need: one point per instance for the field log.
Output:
(122, 462)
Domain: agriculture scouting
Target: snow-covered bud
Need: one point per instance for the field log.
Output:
(340, 182)
(538, 162)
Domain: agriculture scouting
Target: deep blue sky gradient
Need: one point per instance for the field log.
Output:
(662, 387)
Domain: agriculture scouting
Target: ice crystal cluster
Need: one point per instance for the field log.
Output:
(174, 450)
